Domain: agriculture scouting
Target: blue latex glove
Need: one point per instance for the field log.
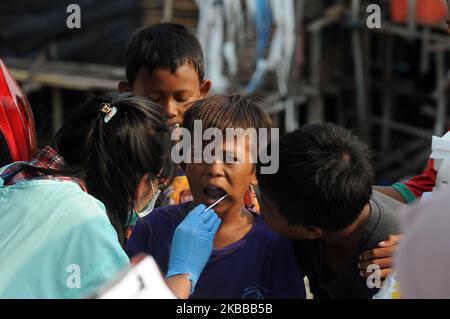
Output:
(192, 244)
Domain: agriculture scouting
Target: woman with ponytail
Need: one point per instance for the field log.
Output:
(64, 214)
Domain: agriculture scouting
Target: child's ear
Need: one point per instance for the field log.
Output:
(123, 87)
(205, 87)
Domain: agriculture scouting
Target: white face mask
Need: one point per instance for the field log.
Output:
(151, 204)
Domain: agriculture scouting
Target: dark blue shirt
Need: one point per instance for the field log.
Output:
(261, 265)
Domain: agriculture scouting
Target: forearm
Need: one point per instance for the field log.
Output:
(391, 192)
(180, 285)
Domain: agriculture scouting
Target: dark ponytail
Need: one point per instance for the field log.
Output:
(111, 158)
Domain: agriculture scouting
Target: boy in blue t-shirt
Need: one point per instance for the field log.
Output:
(249, 261)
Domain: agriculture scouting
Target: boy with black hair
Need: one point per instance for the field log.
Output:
(249, 261)
(322, 198)
(165, 63)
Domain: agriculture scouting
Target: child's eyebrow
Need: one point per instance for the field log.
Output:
(183, 91)
(180, 92)
(152, 91)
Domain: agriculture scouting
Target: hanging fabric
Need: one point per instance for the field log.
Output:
(283, 43)
(211, 37)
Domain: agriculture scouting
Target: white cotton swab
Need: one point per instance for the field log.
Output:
(216, 202)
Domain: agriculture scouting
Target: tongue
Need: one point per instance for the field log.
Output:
(214, 192)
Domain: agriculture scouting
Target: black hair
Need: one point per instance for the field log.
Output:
(228, 111)
(325, 177)
(111, 158)
(164, 45)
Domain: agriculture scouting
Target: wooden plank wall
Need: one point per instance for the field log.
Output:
(186, 13)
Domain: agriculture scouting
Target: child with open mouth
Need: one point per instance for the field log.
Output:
(249, 261)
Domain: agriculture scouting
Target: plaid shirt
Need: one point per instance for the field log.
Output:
(46, 159)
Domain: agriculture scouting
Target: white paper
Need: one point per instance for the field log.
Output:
(142, 281)
(440, 147)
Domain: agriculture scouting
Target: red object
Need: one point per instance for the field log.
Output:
(426, 11)
(17, 130)
(424, 182)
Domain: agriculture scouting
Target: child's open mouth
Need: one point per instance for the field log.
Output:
(213, 193)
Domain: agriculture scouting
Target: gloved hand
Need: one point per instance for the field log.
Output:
(192, 243)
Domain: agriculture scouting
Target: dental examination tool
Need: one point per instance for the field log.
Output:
(216, 202)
